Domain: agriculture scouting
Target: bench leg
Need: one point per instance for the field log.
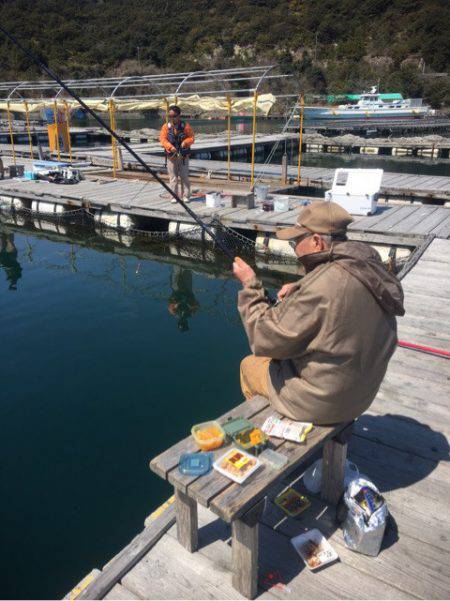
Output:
(245, 558)
(244, 547)
(187, 521)
(334, 457)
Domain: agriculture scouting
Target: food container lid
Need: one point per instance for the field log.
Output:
(195, 464)
(235, 425)
(274, 459)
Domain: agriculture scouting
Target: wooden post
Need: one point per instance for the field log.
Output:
(112, 124)
(11, 135)
(55, 118)
(300, 138)
(244, 550)
(229, 137)
(284, 169)
(255, 101)
(187, 521)
(334, 458)
(27, 119)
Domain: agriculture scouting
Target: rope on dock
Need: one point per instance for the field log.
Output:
(424, 349)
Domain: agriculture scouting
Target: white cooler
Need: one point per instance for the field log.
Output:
(356, 190)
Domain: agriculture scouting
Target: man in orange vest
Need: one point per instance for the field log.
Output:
(176, 138)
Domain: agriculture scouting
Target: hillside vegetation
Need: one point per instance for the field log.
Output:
(328, 45)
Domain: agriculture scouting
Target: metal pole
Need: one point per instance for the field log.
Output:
(11, 135)
(55, 117)
(67, 113)
(229, 137)
(30, 138)
(255, 100)
(284, 169)
(302, 104)
(167, 110)
(112, 123)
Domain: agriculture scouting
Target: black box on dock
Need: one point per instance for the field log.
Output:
(16, 170)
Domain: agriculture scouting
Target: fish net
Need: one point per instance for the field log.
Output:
(234, 241)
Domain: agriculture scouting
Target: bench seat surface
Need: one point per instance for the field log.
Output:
(223, 496)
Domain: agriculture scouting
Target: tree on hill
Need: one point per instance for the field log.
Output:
(329, 46)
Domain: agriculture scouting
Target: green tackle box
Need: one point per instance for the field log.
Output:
(239, 430)
(234, 425)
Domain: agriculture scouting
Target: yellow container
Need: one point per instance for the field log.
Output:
(62, 132)
(208, 435)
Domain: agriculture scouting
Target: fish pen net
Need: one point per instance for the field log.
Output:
(190, 235)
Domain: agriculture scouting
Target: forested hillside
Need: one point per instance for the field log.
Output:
(328, 45)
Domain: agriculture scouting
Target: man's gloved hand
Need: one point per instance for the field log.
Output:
(285, 291)
(243, 271)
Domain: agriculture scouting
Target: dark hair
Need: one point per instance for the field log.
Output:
(176, 109)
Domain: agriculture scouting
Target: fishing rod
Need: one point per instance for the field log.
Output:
(134, 154)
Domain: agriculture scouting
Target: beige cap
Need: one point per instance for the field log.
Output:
(320, 217)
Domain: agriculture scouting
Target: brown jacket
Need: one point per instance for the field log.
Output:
(331, 339)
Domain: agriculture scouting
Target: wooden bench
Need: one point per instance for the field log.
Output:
(242, 505)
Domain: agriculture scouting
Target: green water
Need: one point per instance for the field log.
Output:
(98, 377)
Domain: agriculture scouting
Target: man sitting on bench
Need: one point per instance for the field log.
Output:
(320, 355)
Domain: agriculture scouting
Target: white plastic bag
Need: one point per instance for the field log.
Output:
(363, 534)
(312, 478)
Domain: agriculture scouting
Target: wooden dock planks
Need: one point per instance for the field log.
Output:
(401, 442)
(151, 200)
(393, 184)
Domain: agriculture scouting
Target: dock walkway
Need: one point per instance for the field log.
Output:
(392, 185)
(399, 185)
(401, 443)
(396, 224)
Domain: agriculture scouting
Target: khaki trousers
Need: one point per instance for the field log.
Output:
(178, 169)
(255, 376)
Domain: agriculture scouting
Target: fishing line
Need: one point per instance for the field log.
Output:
(122, 142)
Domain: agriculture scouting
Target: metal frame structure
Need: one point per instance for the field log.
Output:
(239, 82)
(212, 82)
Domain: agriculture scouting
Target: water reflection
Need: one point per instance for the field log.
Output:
(182, 301)
(121, 272)
(8, 259)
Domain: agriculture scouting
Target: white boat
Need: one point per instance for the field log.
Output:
(372, 105)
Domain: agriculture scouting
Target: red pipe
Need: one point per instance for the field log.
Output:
(424, 349)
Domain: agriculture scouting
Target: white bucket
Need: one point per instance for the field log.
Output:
(261, 191)
(281, 204)
(213, 200)
(312, 478)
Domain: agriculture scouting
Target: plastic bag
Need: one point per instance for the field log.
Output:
(365, 522)
(312, 478)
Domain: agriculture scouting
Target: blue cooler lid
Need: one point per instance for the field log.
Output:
(195, 464)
